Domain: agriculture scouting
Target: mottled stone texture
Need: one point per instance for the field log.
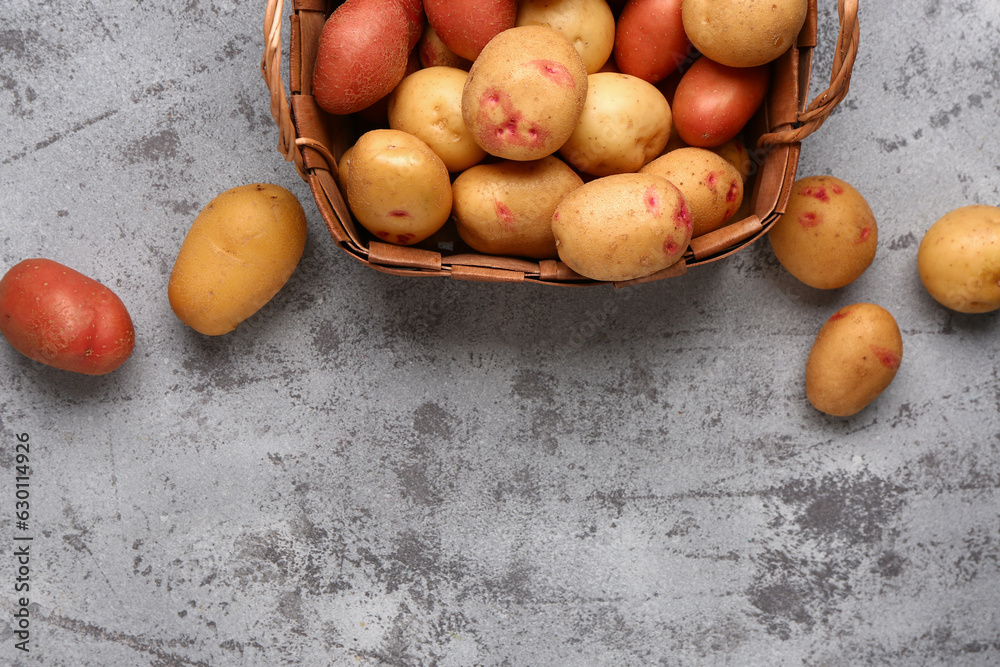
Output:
(387, 471)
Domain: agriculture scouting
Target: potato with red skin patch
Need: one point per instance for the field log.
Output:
(466, 26)
(650, 41)
(506, 207)
(743, 34)
(588, 24)
(525, 93)
(622, 227)
(854, 358)
(61, 318)
(828, 236)
(710, 184)
(397, 187)
(361, 55)
(959, 259)
(714, 102)
(625, 123)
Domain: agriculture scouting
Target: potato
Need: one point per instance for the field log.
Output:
(344, 166)
(397, 187)
(736, 153)
(61, 318)
(714, 102)
(588, 24)
(239, 252)
(416, 20)
(466, 26)
(361, 55)
(855, 356)
(743, 34)
(525, 93)
(622, 227)
(625, 123)
(377, 114)
(506, 208)
(432, 52)
(828, 235)
(959, 259)
(650, 41)
(711, 186)
(428, 105)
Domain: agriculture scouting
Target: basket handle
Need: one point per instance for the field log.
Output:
(840, 80)
(270, 68)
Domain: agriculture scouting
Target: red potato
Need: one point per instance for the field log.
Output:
(415, 16)
(650, 41)
(378, 113)
(361, 55)
(61, 318)
(467, 25)
(713, 102)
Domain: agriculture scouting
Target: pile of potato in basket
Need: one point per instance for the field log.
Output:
(603, 134)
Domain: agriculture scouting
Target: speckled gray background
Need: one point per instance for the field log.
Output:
(386, 471)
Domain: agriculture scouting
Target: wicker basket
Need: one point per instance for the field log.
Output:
(314, 141)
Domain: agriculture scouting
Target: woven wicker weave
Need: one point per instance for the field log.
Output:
(314, 140)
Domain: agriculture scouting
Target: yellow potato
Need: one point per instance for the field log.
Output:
(710, 184)
(739, 33)
(344, 166)
(625, 123)
(959, 259)
(622, 227)
(828, 235)
(238, 253)
(397, 187)
(428, 105)
(588, 24)
(525, 93)
(505, 208)
(735, 152)
(855, 356)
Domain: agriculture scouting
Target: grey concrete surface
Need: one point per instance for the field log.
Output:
(386, 471)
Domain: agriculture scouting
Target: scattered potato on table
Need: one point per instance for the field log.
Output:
(397, 187)
(59, 317)
(588, 24)
(625, 124)
(854, 358)
(743, 34)
(828, 235)
(428, 105)
(622, 227)
(525, 93)
(710, 184)
(505, 208)
(959, 259)
(240, 251)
